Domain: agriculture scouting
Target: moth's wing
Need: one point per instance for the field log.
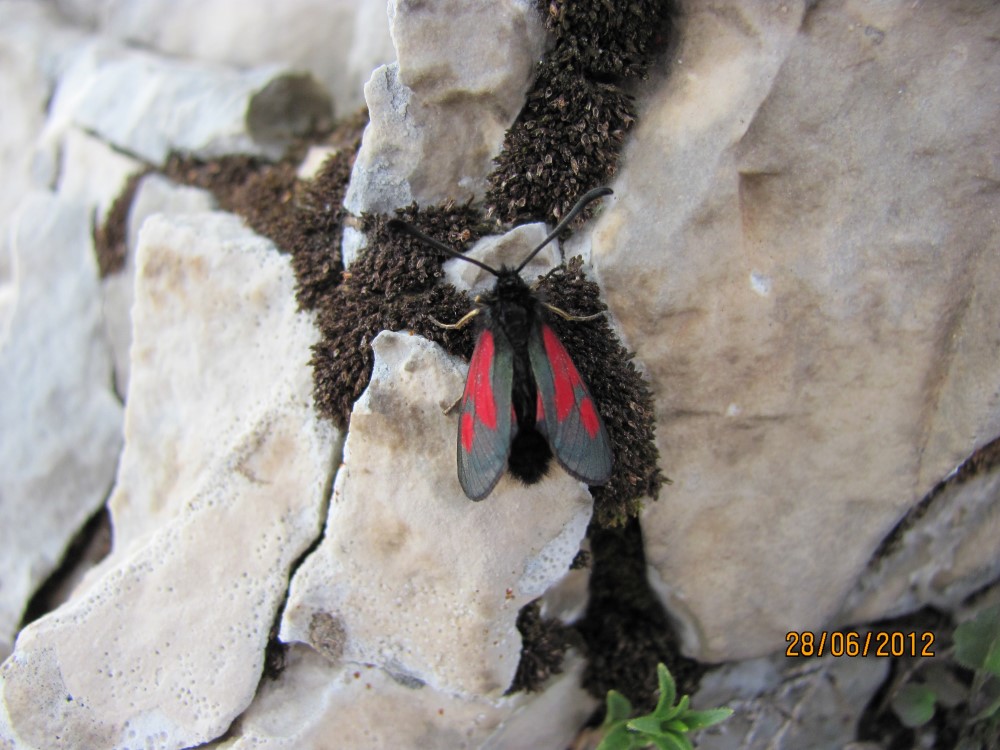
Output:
(486, 426)
(566, 412)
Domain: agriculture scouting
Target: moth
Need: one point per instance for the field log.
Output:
(524, 400)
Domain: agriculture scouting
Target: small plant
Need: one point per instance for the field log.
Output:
(665, 728)
(977, 648)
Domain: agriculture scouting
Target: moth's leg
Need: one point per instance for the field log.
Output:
(566, 316)
(462, 323)
(454, 407)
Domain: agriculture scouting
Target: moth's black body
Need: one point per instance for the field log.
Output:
(514, 310)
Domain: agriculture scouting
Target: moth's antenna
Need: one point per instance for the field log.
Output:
(581, 204)
(398, 225)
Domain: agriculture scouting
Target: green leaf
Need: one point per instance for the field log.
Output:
(618, 738)
(700, 719)
(647, 725)
(913, 704)
(619, 707)
(977, 642)
(668, 690)
(673, 713)
(682, 704)
(673, 742)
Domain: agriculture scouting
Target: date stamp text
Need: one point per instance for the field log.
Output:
(805, 643)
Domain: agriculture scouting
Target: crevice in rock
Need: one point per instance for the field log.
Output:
(111, 236)
(275, 651)
(89, 546)
(982, 461)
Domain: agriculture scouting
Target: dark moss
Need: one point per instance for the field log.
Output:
(623, 397)
(393, 286)
(625, 628)
(565, 141)
(110, 237)
(303, 218)
(608, 39)
(543, 648)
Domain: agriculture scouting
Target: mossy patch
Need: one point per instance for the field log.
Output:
(544, 646)
(568, 137)
(393, 286)
(302, 217)
(625, 628)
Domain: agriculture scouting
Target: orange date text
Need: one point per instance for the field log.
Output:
(853, 643)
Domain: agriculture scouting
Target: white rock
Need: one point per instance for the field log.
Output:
(809, 284)
(31, 42)
(155, 194)
(93, 173)
(946, 554)
(220, 488)
(550, 718)
(314, 703)
(149, 105)
(411, 576)
(813, 703)
(60, 425)
(509, 249)
(438, 116)
(339, 42)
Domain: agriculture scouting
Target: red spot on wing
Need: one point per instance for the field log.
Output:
(589, 417)
(564, 373)
(479, 389)
(467, 430)
(539, 408)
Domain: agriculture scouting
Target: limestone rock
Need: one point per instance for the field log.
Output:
(314, 705)
(155, 194)
(148, 105)
(92, 172)
(411, 576)
(945, 554)
(802, 252)
(221, 487)
(508, 249)
(340, 43)
(32, 40)
(805, 705)
(60, 424)
(438, 115)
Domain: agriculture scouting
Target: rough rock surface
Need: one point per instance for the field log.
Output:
(148, 105)
(221, 487)
(946, 553)
(793, 705)
(155, 194)
(340, 42)
(313, 701)
(60, 424)
(802, 250)
(456, 574)
(32, 41)
(814, 299)
(438, 115)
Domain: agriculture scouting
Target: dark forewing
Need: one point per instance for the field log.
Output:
(485, 427)
(567, 414)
